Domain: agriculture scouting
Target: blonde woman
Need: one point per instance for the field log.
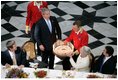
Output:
(83, 61)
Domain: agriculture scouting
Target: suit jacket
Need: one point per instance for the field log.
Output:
(20, 57)
(108, 67)
(43, 34)
(33, 13)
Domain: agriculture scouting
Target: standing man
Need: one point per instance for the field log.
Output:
(33, 15)
(46, 32)
(79, 37)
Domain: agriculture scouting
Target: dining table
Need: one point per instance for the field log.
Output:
(52, 73)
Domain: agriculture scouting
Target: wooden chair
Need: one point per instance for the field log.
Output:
(29, 48)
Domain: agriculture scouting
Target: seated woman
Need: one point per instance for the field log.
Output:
(83, 61)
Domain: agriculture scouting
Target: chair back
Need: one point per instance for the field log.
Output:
(29, 48)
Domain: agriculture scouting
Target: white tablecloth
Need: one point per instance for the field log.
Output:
(54, 73)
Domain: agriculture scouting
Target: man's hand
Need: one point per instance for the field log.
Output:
(21, 66)
(26, 29)
(41, 47)
(7, 65)
(65, 42)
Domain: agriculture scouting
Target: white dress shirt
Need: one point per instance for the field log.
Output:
(13, 57)
(48, 22)
(11, 54)
(106, 58)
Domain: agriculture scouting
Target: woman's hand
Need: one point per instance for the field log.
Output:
(76, 52)
(41, 47)
(70, 54)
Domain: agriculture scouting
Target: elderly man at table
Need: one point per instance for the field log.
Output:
(106, 63)
(83, 61)
(13, 55)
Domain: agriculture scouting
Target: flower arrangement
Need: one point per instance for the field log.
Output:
(68, 74)
(93, 76)
(16, 73)
(40, 74)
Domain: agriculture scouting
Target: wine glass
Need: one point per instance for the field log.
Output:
(35, 66)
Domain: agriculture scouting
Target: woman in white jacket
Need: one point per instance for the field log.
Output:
(83, 61)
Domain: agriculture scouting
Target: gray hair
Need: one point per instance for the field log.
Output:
(86, 49)
(10, 44)
(44, 9)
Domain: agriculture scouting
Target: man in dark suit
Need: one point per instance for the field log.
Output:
(46, 32)
(106, 63)
(13, 55)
